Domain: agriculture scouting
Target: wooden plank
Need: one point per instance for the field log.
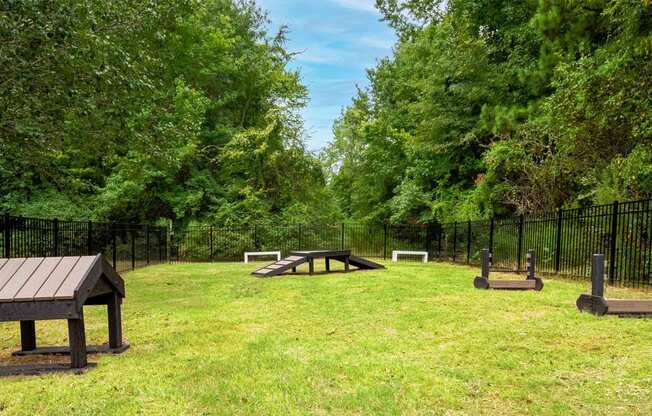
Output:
(10, 268)
(2, 263)
(75, 278)
(38, 310)
(512, 284)
(51, 285)
(40, 275)
(13, 285)
(629, 306)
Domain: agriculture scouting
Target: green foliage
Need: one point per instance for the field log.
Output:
(494, 107)
(145, 110)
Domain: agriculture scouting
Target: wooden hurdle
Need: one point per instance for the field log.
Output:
(597, 304)
(532, 282)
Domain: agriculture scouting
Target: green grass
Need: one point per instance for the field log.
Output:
(412, 339)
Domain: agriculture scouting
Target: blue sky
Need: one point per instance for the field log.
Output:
(339, 40)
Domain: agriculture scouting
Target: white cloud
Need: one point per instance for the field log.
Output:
(364, 5)
(376, 42)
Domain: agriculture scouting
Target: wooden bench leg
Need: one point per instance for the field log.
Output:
(294, 270)
(28, 335)
(311, 266)
(328, 264)
(115, 321)
(77, 339)
(346, 264)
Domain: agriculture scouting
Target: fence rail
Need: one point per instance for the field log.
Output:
(126, 246)
(564, 240)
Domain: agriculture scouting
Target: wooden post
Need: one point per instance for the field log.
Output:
(115, 321)
(311, 266)
(27, 335)
(597, 276)
(613, 240)
(531, 264)
(328, 264)
(485, 263)
(77, 339)
(346, 264)
(7, 235)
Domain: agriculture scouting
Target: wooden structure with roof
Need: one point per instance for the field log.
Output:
(46, 288)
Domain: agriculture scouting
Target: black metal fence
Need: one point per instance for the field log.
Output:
(126, 246)
(564, 241)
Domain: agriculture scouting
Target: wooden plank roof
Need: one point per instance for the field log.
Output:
(53, 278)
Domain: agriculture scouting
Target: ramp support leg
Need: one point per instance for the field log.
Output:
(311, 266)
(115, 321)
(328, 264)
(346, 264)
(77, 339)
(27, 335)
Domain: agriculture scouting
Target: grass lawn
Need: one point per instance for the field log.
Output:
(412, 339)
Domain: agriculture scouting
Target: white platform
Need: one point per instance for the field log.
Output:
(397, 253)
(261, 253)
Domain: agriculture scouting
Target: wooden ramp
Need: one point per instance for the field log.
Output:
(280, 266)
(364, 264)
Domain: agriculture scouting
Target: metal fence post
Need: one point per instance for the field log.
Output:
(55, 236)
(519, 249)
(560, 215)
(89, 241)
(210, 244)
(342, 236)
(300, 228)
(454, 241)
(440, 231)
(385, 242)
(468, 241)
(491, 235)
(133, 247)
(114, 248)
(160, 244)
(612, 244)
(147, 241)
(7, 235)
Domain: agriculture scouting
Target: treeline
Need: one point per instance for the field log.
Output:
(143, 110)
(492, 107)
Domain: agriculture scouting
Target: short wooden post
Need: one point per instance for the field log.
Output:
(597, 276)
(27, 335)
(77, 340)
(115, 321)
(311, 266)
(346, 264)
(328, 264)
(485, 263)
(531, 264)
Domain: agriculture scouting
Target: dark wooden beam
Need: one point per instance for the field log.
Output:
(27, 335)
(77, 340)
(115, 321)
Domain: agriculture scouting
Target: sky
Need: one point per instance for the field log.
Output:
(338, 41)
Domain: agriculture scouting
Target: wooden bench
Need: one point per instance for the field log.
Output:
(396, 253)
(261, 253)
(530, 283)
(597, 304)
